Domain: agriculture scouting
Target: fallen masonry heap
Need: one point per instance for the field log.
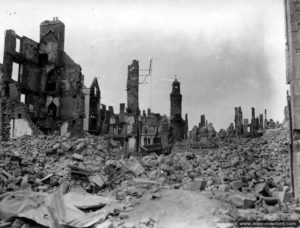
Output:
(51, 181)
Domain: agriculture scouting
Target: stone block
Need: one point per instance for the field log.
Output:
(196, 185)
(237, 184)
(224, 187)
(285, 196)
(242, 201)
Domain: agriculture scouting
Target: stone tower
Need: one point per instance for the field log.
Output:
(176, 121)
(55, 26)
(176, 99)
(133, 88)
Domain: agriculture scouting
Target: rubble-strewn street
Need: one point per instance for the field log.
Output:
(100, 107)
(92, 182)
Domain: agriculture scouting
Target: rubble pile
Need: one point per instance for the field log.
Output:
(46, 160)
(87, 174)
(100, 184)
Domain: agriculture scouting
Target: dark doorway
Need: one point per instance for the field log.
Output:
(52, 109)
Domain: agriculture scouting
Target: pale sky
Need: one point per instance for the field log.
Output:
(225, 53)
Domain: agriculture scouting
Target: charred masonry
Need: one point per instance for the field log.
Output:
(41, 85)
(43, 91)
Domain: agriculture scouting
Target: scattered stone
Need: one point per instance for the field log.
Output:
(128, 225)
(224, 225)
(105, 224)
(242, 201)
(78, 157)
(237, 184)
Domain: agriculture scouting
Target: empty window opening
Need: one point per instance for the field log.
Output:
(18, 45)
(6, 89)
(43, 59)
(145, 141)
(94, 105)
(15, 72)
(52, 109)
(19, 115)
(51, 86)
(95, 92)
(51, 81)
(23, 98)
(93, 122)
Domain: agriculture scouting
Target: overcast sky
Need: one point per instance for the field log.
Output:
(225, 53)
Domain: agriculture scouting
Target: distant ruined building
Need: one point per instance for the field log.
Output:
(177, 124)
(133, 88)
(42, 91)
(92, 121)
(244, 128)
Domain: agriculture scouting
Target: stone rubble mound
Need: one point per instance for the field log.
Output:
(53, 181)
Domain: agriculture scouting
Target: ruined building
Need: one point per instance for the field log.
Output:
(130, 126)
(292, 16)
(154, 128)
(177, 124)
(118, 124)
(42, 86)
(133, 88)
(202, 122)
(238, 120)
(92, 120)
(243, 128)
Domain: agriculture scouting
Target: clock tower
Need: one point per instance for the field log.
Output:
(176, 99)
(177, 124)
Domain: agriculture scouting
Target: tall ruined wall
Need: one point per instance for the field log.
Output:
(49, 79)
(72, 97)
(292, 13)
(238, 120)
(94, 106)
(133, 88)
(54, 26)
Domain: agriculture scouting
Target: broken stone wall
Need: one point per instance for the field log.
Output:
(186, 126)
(202, 122)
(86, 120)
(238, 120)
(49, 80)
(94, 108)
(245, 127)
(150, 128)
(133, 88)
(292, 16)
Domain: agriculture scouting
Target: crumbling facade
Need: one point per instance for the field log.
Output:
(242, 128)
(133, 88)
(154, 128)
(238, 120)
(43, 77)
(136, 129)
(202, 122)
(177, 124)
(204, 131)
(92, 120)
(292, 16)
